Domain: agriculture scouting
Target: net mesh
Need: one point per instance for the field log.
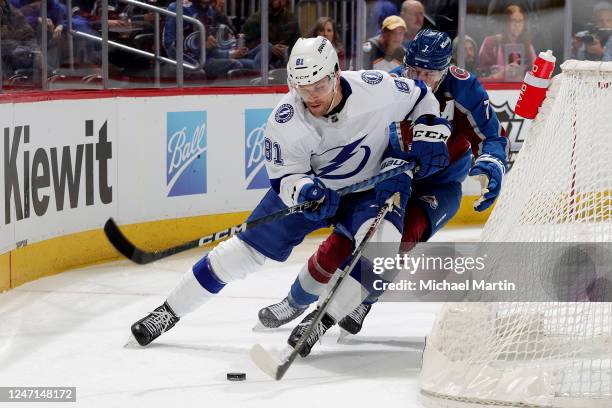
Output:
(540, 354)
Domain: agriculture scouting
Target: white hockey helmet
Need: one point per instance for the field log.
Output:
(311, 60)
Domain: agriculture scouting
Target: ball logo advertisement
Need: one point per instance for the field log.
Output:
(254, 150)
(186, 153)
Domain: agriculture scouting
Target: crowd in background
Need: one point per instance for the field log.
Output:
(503, 36)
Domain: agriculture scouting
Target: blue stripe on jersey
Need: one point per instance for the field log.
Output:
(423, 89)
(394, 138)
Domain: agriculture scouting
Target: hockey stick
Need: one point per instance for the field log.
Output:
(141, 256)
(264, 360)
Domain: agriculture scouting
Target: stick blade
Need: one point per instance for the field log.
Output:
(264, 360)
(123, 245)
(118, 240)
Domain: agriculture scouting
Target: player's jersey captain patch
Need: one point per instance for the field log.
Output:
(459, 73)
(284, 113)
(372, 77)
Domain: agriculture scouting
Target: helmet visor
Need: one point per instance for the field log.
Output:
(316, 91)
(431, 77)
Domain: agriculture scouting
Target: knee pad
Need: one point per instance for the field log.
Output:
(234, 259)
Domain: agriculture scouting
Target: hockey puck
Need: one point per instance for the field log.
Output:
(236, 376)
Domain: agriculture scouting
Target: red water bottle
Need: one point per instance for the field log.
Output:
(535, 84)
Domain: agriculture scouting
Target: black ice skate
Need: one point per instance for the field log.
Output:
(154, 324)
(278, 314)
(326, 322)
(353, 321)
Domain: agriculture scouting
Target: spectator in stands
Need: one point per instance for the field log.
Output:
(413, 14)
(545, 25)
(326, 27)
(221, 53)
(471, 62)
(385, 51)
(378, 10)
(282, 34)
(219, 25)
(55, 25)
(18, 45)
(506, 56)
(596, 43)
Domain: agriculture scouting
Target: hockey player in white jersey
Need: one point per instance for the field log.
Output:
(328, 132)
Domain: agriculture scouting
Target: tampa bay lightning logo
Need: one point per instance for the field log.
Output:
(341, 160)
(402, 85)
(284, 113)
(372, 77)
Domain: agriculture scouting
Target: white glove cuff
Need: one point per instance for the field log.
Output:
(492, 159)
(297, 188)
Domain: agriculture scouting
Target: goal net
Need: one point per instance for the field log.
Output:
(540, 354)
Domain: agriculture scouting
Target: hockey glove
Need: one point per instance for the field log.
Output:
(489, 171)
(428, 147)
(402, 183)
(327, 200)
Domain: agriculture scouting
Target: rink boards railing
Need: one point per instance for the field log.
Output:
(168, 164)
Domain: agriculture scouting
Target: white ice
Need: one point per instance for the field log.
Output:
(70, 329)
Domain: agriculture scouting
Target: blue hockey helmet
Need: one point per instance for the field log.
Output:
(428, 57)
(430, 50)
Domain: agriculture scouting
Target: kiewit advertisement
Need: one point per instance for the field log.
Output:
(59, 172)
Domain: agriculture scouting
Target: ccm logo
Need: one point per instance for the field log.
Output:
(393, 163)
(226, 233)
(430, 134)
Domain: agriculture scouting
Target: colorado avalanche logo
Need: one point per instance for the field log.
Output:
(431, 200)
(284, 113)
(372, 77)
(459, 73)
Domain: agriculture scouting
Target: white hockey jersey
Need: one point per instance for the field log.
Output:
(347, 147)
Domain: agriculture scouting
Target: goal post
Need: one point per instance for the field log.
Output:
(539, 354)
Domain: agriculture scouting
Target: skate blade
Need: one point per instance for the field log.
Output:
(132, 343)
(260, 328)
(344, 337)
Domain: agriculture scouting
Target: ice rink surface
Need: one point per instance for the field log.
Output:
(70, 329)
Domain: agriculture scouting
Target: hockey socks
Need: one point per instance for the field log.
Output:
(318, 271)
(195, 288)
